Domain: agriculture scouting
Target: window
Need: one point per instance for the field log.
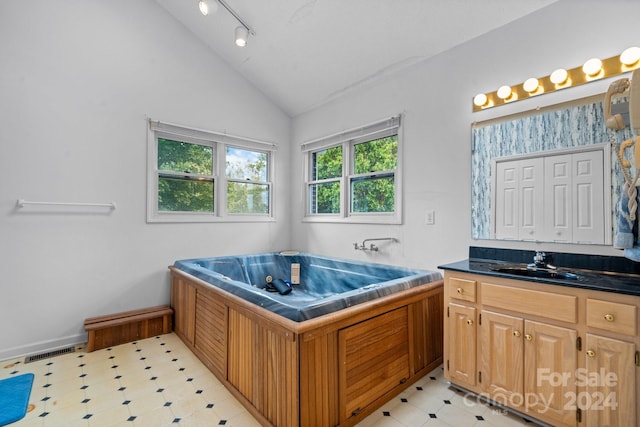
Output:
(354, 176)
(202, 176)
(247, 181)
(185, 177)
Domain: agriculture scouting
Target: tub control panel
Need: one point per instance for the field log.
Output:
(295, 273)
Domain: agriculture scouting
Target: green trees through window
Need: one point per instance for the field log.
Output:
(373, 187)
(371, 177)
(326, 168)
(187, 178)
(185, 181)
(247, 187)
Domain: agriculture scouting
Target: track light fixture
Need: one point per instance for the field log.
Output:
(206, 7)
(241, 36)
(242, 32)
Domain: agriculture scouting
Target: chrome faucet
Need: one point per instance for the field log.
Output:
(540, 261)
(372, 247)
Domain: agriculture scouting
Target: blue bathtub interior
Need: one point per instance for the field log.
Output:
(326, 284)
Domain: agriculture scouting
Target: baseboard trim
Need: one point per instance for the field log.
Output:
(42, 346)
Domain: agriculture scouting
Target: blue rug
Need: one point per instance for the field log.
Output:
(14, 398)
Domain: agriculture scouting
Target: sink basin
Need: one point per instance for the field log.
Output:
(536, 272)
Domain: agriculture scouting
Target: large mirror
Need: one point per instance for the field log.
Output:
(569, 125)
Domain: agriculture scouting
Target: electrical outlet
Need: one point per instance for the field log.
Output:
(430, 217)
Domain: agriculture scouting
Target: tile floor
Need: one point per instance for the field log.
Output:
(159, 382)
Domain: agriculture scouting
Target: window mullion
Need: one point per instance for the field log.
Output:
(220, 187)
(345, 189)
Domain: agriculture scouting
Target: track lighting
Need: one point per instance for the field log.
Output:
(207, 6)
(242, 32)
(561, 78)
(241, 36)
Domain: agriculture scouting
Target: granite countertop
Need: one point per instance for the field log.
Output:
(600, 273)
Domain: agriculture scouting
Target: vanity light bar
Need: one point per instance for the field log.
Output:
(593, 69)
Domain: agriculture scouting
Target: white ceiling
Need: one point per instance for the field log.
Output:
(308, 52)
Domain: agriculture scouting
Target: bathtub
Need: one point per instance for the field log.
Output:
(337, 346)
(325, 284)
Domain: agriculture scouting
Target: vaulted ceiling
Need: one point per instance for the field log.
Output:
(308, 52)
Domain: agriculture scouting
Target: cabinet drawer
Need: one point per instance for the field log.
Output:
(462, 289)
(611, 316)
(538, 303)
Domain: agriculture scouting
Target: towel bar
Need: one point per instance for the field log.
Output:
(22, 203)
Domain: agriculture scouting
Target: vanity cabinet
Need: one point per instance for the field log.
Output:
(612, 397)
(550, 350)
(463, 333)
(610, 348)
(461, 324)
(566, 356)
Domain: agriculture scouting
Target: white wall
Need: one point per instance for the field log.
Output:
(435, 97)
(78, 78)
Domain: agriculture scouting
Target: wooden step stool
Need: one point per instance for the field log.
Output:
(128, 326)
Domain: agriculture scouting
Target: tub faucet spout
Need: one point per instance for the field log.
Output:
(372, 247)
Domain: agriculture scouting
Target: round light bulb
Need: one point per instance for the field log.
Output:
(504, 92)
(530, 85)
(480, 99)
(630, 56)
(592, 67)
(559, 76)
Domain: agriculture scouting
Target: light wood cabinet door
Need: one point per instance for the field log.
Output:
(610, 387)
(502, 356)
(461, 363)
(550, 363)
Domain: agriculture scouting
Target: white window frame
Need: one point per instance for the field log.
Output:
(348, 139)
(219, 142)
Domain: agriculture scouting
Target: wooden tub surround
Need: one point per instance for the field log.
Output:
(331, 370)
(119, 328)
